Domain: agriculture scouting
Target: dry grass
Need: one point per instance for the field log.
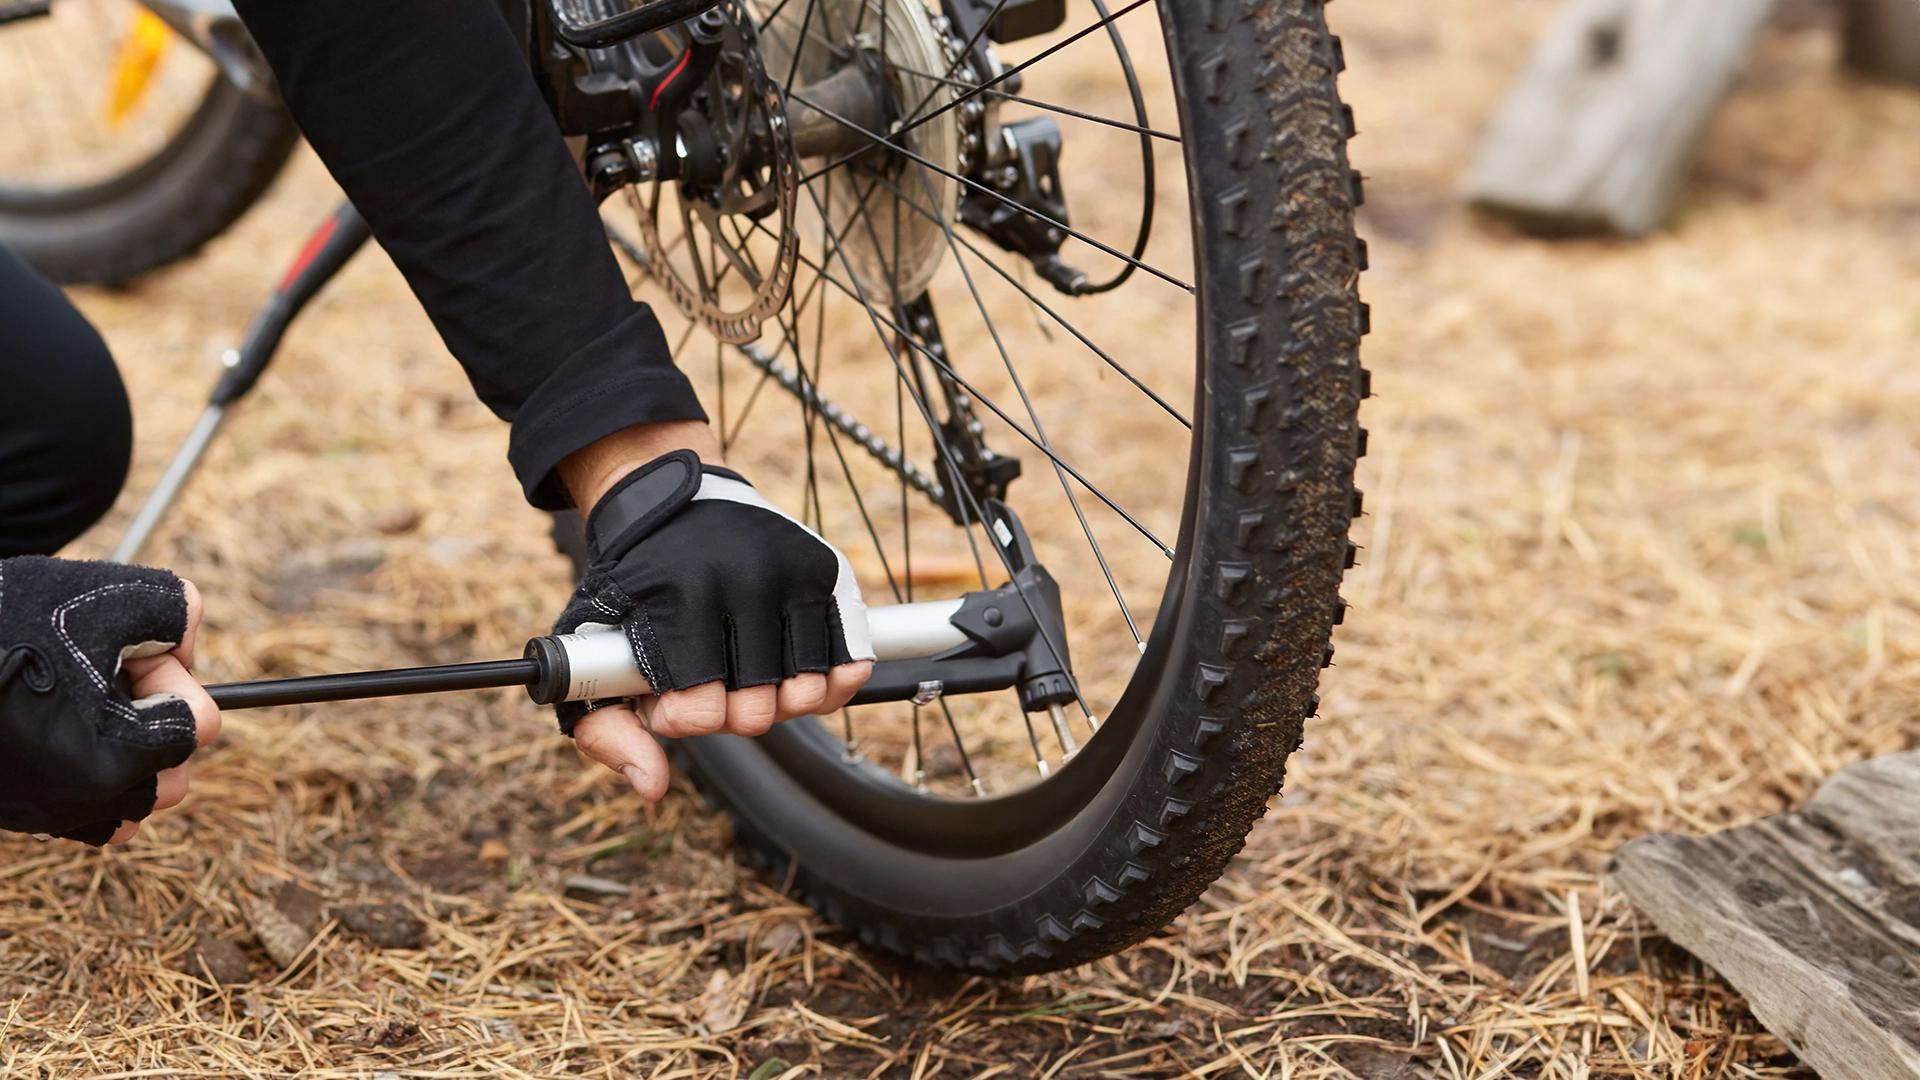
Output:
(1640, 557)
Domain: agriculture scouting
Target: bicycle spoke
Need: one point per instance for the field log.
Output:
(960, 99)
(879, 141)
(793, 69)
(1045, 106)
(966, 760)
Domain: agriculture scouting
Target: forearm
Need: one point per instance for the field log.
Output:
(427, 115)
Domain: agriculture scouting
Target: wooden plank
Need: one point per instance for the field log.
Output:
(1883, 39)
(1813, 916)
(1600, 132)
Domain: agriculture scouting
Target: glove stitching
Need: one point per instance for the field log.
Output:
(640, 650)
(640, 654)
(156, 724)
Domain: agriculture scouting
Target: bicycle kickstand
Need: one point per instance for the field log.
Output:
(326, 251)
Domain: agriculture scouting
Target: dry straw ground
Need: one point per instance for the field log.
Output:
(1641, 556)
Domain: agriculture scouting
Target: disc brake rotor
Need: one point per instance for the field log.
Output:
(893, 249)
(729, 265)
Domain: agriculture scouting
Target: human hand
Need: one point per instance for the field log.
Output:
(98, 705)
(739, 614)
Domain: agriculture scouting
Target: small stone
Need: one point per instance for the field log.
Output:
(597, 886)
(394, 520)
(217, 957)
(283, 940)
(302, 906)
(390, 926)
(784, 935)
(493, 850)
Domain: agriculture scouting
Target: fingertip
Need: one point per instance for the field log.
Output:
(195, 609)
(651, 784)
(845, 681)
(124, 833)
(154, 676)
(170, 787)
(206, 727)
(614, 737)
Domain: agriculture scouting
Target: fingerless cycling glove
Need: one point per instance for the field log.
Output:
(77, 754)
(711, 583)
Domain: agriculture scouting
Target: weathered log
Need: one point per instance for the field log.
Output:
(1600, 132)
(1813, 916)
(1883, 39)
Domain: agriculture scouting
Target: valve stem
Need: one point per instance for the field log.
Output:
(1068, 746)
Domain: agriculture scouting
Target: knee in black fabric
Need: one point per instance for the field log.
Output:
(68, 434)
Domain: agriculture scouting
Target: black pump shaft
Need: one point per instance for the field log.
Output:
(355, 685)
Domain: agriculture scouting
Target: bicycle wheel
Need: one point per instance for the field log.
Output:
(1105, 273)
(124, 149)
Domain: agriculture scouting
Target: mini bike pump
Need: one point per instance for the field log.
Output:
(925, 650)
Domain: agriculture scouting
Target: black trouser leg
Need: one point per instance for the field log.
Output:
(67, 432)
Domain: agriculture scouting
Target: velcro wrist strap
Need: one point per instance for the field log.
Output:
(644, 499)
(640, 502)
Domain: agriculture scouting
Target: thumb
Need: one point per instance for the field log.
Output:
(615, 737)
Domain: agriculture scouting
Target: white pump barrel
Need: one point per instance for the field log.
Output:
(600, 663)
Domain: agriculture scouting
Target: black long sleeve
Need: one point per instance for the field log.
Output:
(427, 114)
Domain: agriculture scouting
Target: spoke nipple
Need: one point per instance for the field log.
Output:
(979, 789)
(1041, 764)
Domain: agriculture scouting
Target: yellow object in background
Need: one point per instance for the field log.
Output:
(147, 40)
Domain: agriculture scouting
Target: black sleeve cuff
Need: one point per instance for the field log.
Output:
(621, 378)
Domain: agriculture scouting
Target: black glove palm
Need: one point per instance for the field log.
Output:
(77, 756)
(711, 583)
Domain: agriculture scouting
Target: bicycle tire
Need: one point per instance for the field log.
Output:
(1253, 599)
(164, 208)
